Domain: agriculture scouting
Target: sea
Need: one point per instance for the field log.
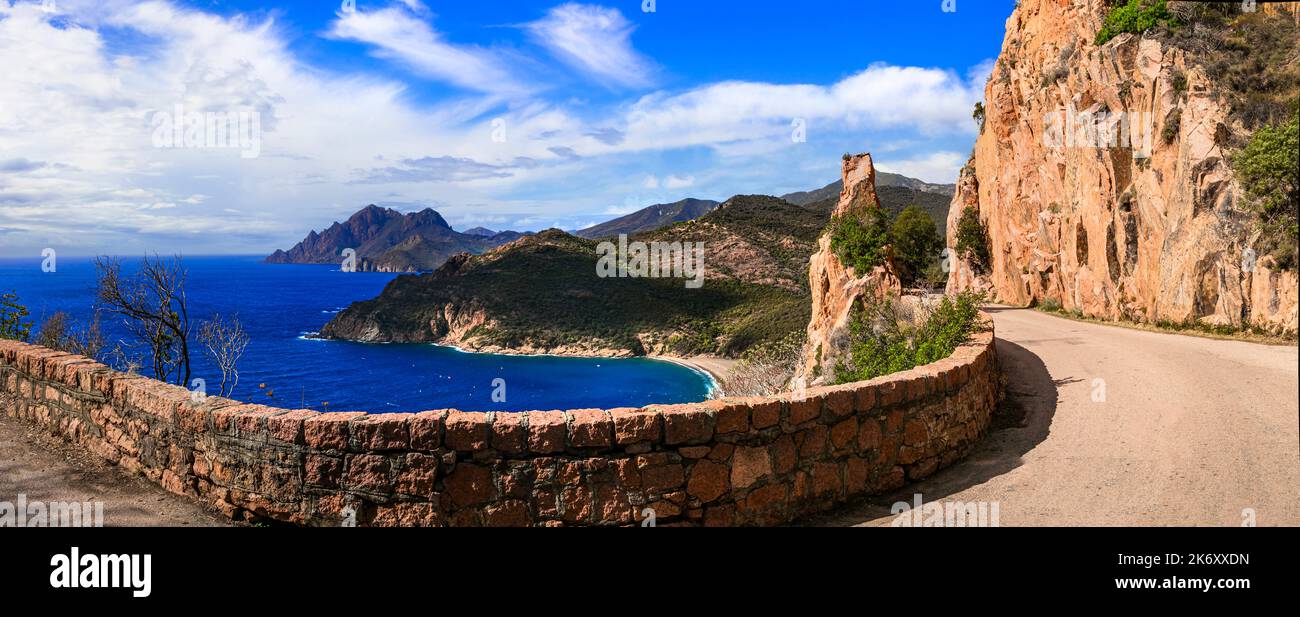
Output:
(282, 306)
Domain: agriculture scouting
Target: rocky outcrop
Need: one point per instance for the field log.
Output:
(837, 288)
(386, 240)
(1146, 225)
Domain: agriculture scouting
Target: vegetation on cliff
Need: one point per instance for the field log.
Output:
(1135, 16)
(973, 240)
(892, 336)
(916, 245)
(1254, 60)
(1268, 168)
(862, 242)
(543, 294)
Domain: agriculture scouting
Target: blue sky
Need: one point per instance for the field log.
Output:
(520, 115)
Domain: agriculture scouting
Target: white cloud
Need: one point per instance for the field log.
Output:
(399, 35)
(731, 112)
(77, 120)
(937, 168)
(595, 40)
(679, 182)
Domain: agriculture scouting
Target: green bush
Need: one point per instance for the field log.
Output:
(882, 341)
(1051, 305)
(1173, 124)
(860, 242)
(1267, 169)
(973, 240)
(1135, 16)
(1179, 82)
(12, 315)
(915, 241)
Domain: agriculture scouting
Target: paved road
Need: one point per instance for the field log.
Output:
(45, 469)
(1188, 431)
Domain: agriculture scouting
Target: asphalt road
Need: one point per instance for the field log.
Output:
(1106, 425)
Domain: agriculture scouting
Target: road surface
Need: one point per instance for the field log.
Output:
(46, 469)
(1106, 425)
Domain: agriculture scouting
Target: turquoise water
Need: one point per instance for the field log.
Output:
(280, 304)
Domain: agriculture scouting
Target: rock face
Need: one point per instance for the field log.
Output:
(388, 241)
(835, 287)
(1092, 223)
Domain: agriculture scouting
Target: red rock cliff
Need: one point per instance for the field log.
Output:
(836, 287)
(1105, 230)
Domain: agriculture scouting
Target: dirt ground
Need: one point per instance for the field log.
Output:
(46, 469)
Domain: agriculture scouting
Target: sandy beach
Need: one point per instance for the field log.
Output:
(717, 368)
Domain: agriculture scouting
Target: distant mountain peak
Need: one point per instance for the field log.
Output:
(883, 179)
(650, 218)
(388, 240)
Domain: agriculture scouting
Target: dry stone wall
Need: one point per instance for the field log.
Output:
(757, 461)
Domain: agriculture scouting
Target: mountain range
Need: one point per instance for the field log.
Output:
(650, 219)
(884, 180)
(540, 294)
(386, 240)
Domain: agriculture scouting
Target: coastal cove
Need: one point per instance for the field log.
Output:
(281, 306)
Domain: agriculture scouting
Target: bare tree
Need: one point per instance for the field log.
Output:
(155, 310)
(766, 370)
(87, 341)
(59, 332)
(225, 342)
(54, 332)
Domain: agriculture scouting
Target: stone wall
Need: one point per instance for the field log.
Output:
(760, 461)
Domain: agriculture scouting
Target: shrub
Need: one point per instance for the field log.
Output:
(860, 242)
(1250, 58)
(915, 242)
(12, 315)
(1267, 169)
(1055, 74)
(59, 332)
(1179, 82)
(884, 339)
(1173, 124)
(978, 114)
(973, 240)
(934, 277)
(1135, 16)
